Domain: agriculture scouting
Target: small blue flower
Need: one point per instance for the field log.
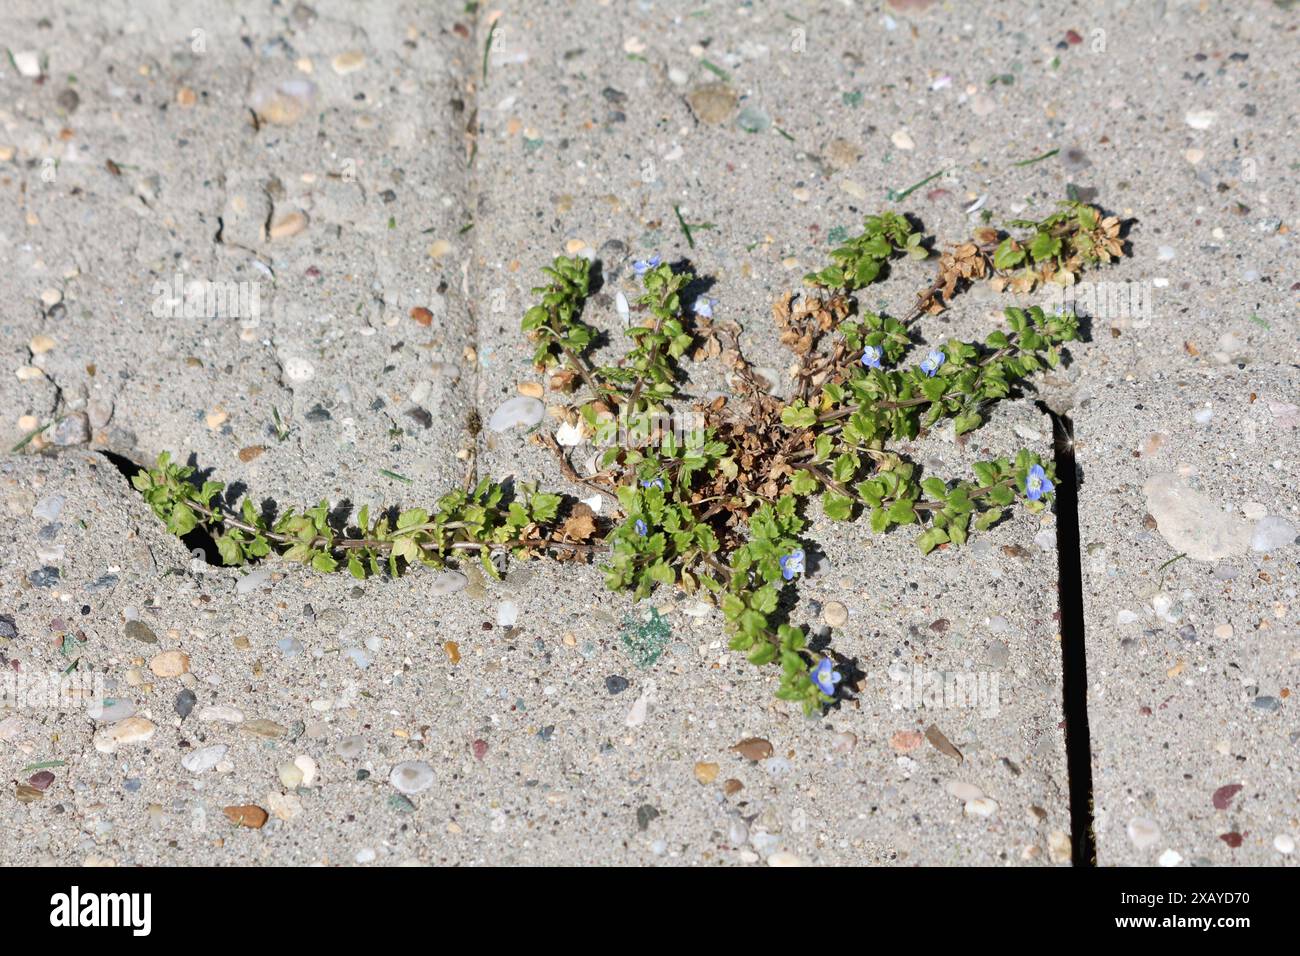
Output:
(792, 564)
(653, 483)
(704, 307)
(872, 355)
(930, 364)
(642, 266)
(825, 676)
(641, 529)
(1037, 483)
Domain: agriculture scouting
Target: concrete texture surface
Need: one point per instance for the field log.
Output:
(389, 179)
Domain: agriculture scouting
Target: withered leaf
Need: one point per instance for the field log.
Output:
(581, 523)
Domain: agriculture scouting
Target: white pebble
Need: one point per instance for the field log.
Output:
(1284, 844)
(520, 410)
(299, 369)
(785, 858)
(204, 759)
(902, 139)
(222, 712)
(28, 63)
(49, 509)
(448, 582)
(570, 434)
(308, 768)
(1192, 522)
(981, 807)
(1143, 832)
(412, 776)
(1272, 533)
(963, 791)
(1170, 858)
(251, 582)
(507, 614)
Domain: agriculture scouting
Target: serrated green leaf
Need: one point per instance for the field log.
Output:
(837, 506)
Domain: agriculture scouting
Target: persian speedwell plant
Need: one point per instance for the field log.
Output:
(719, 510)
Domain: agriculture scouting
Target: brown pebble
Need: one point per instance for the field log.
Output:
(942, 743)
(170, 664)
(288, 225)
(261, 727)
(422, 315)
(1223, 796)
(754, 748)
(905, 741)
(141, 631)
(247, 815)
(250, 452)
(706, 773)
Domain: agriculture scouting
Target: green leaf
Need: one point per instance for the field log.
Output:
(544, 506)
(411, 518)
(837, 506)
(1007, 256)
(406, 547)
(934, 388)
(935, 487)
(299, 552)
(324, 563)
(879, 520)
(901, 512)
(183, 520)
(230, 550)
(1044, 246)
(928, 540)
(356, 568)
(1002, 495)
(803, 483)
(868, 270)
(798, 415)
(965, 422)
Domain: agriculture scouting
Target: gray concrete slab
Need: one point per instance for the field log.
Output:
(1189, 518)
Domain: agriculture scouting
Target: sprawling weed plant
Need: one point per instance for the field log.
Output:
(719, 509)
